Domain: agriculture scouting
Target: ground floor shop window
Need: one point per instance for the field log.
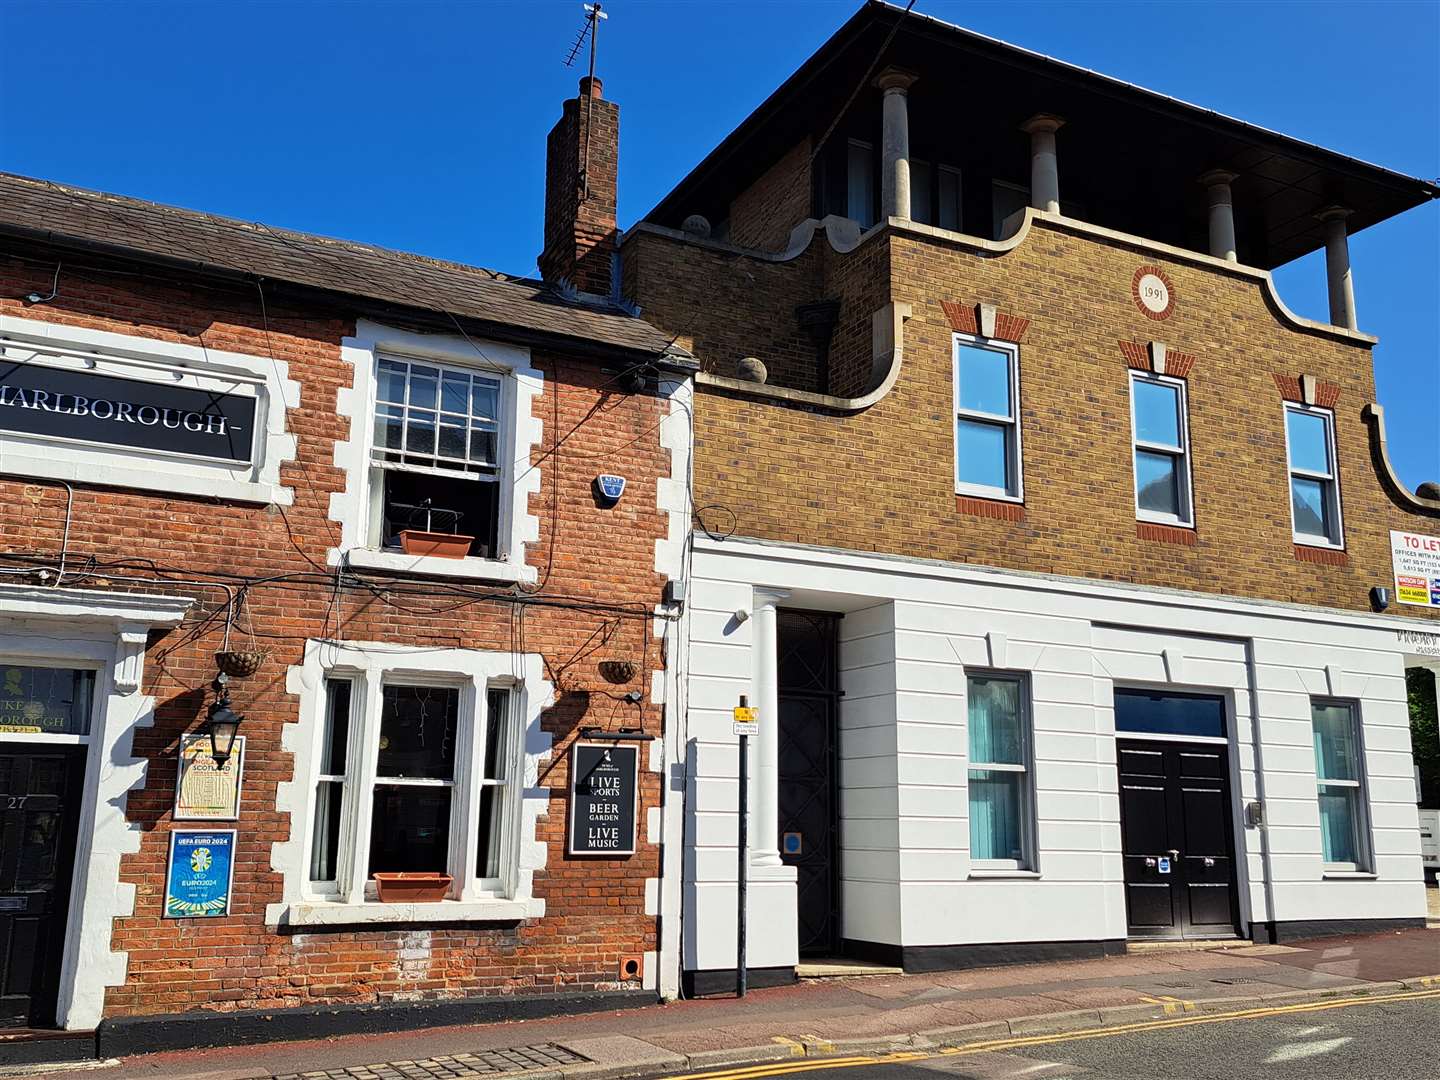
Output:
(1344, 832)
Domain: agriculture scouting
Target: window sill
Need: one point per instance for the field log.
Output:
(1000, 875)
(1324, 554)
(1350, 875)
(436, 566)
(337, 913)
(1163, 533)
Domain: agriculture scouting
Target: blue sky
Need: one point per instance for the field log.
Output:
(420, 125)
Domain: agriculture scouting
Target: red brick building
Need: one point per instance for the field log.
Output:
(432, 516)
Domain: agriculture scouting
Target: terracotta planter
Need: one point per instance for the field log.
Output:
(411, 887)
(442, 545)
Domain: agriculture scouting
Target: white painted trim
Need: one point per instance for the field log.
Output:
(521, 432)
(107, 633)
(1014, 490)
(131, 356)
(371, 663)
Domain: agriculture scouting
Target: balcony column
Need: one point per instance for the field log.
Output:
(1044, 170)
(1222, 214)
(765, 797)
(895, 143)
(1337, 267)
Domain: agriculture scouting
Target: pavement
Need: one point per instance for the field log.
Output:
(848, 1016)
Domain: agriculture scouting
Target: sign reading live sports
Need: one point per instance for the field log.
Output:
(602, 798)
(1416, 560)
(82, 405)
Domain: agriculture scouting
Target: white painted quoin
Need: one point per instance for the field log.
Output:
(911, 631)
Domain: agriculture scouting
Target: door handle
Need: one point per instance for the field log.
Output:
(1150, 863)
(1173, 853)
(1209, 862)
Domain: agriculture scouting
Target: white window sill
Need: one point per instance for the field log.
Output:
(1164, 519)
(1317, 542)
(434, 565)
(1350, 875)
(337, 913)
(994, 494)
(997, 874)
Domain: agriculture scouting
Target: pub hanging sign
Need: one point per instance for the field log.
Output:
(88, 407)
(603, 781)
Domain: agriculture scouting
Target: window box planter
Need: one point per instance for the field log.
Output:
(443, 545)
(410, 887)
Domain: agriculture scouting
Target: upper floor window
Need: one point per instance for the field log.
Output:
(935, 194)
(1006, 199)
(435, 455)
(1001, 820)
(1314, 484)
(860, 183)
(1339, 776)
(987, 419)
(1162, 450)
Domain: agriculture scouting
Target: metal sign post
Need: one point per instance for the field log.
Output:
(745, 726)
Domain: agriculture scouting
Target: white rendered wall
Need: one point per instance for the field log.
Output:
(913, 628)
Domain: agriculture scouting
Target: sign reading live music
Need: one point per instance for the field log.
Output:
(88, 407)
(603, 780)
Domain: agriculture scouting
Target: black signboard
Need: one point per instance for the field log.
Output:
(603, 798)
(82, 405)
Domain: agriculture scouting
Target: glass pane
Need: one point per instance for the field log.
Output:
(497, 721)
(1157, 413)
(1169, 714)
(995, 815)
(1157, 478)
(949, 200)
(49, 700)
(982, 454)
(417, 731)
(994, 721)
(39, 848)
(388, 426)
(1339, 824)
(455, 392)
(420, 433)
(410, 829)
(920, 192)
(1336, 755)
(452, 442)
(860, 188)
(423, 382)
(391, 383)
(483, 397)
(491, 812)
(325, 834)
(984, 380)
(482, 445)
(337, 727)
(1308, 501)
(1309, 441)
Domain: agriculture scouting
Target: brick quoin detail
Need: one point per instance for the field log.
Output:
(995, 509)
(1323, 556)
(1165, 534)
(963, 320)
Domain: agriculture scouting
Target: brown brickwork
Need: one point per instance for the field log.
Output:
(763, 216)
(580, 191)
(595, 908)
(789, 474)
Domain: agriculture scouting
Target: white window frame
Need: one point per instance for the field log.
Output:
(1029, 863)
(1014, 490)
(519, 437)
(370, 666)
(1181, 454)
(1330, 480)
(1363, 833)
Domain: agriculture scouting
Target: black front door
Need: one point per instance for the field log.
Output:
(1177, 839)
(808, 781)
(39, 807)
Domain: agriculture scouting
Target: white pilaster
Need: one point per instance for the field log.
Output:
(765, 795)
(895, 143)
(1222, 214)
(1044, 169)
(1337, 267)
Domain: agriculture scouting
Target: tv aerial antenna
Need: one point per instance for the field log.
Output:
(590, 28)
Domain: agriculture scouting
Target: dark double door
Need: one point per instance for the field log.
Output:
(1177, 839)
(39, 809)
(809, 784)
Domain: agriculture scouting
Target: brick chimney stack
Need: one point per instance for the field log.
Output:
(580, 188)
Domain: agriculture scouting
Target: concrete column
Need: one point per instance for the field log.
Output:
(894, 143)
(1337, 267)
(1222, 214)
(765, 795)
(1044, 170)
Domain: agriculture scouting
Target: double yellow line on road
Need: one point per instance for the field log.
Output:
(782, 1068)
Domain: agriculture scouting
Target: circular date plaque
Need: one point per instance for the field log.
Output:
(1153, 294)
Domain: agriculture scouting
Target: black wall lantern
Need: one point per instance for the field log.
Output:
(224, 726)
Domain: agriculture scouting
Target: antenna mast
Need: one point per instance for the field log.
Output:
(590, 29)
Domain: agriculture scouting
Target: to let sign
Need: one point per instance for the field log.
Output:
(87, 407)
(603, 781)
(1416, 561)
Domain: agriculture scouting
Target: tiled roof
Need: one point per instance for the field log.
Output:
(41, 209)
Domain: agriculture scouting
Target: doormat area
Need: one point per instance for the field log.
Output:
(453, 1066)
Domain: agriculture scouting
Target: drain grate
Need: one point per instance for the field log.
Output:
(1234, 982)
(513, 1059)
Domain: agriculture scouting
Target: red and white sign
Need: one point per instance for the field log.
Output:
(1416, 560)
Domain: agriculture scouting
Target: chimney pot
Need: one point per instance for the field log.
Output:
(591, 86)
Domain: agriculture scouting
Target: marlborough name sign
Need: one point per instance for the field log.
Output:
(88, 407)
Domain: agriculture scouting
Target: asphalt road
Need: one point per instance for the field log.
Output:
(1374, 1041)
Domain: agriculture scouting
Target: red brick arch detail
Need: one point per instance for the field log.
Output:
(1136, 355)
(1327, 394)
(1178, 365)
(964, 319)
(961, 317)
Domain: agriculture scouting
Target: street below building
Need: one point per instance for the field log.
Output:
(1350, 1040)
